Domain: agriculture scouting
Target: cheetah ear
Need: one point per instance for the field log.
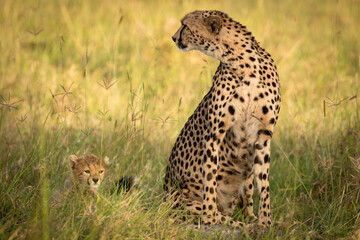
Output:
(106, 161)
(73, 159)
(213, 24)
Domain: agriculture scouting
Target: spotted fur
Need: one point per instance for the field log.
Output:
(225, 144)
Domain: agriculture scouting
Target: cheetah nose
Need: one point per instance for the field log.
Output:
(95, 180)
(173, 38)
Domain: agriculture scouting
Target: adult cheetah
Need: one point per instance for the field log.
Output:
(225, 143)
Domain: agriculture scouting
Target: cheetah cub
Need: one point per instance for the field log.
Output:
(87, 171)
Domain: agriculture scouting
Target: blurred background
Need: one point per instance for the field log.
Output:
(105, 77)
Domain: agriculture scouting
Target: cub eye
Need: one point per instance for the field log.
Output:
(101, 171)
(87, 171)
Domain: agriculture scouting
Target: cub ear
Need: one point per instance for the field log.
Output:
(73, 159)
(213, 24)
(106, 161)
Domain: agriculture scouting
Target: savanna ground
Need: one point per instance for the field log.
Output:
(105, 77)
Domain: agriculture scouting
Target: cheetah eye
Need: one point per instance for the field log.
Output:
(101, 171)
(87, 171)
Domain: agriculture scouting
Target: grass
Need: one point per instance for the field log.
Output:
(80, 76)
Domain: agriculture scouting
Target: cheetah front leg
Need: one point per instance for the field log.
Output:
(210, 212)
(261, 171)
(248, 197)
(209, 175)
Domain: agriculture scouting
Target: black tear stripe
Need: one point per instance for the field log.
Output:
(179, 41)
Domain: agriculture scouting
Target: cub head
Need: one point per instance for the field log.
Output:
(201, 30)
(88, 171)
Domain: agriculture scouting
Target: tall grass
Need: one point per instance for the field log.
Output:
(85, 76)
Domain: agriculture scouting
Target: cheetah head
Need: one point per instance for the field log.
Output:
(201, 30)
(88, 171)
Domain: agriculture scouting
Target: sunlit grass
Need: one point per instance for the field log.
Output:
(106, 78)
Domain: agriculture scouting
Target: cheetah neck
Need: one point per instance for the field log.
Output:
(240, 52)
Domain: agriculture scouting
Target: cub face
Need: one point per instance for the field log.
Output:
(88, 171)
(200, 30)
